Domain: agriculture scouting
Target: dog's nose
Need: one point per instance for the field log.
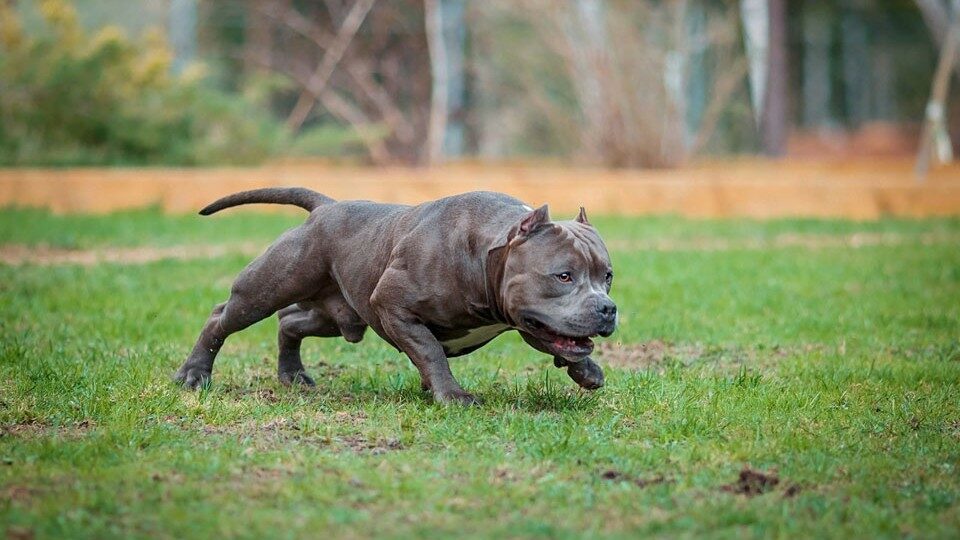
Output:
(607, 309)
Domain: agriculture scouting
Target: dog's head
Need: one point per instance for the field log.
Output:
(555, 283)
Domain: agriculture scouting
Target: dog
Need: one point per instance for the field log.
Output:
(436, 280)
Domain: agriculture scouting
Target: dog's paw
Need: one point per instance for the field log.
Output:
(290, 378)
(192, 377)
(586, 373)
(458, 397)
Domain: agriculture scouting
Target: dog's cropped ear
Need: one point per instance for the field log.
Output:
(582, 216)
(534, 220)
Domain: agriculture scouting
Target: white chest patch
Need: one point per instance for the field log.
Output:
(475, 336)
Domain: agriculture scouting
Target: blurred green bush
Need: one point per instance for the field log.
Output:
(70, 98)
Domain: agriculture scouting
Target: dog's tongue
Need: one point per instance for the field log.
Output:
(568, 342)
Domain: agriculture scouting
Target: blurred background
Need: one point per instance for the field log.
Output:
(612, 83)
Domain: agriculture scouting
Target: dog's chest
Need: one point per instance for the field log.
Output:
(472, 338)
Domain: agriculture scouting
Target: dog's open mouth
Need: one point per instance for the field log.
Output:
(568, 347)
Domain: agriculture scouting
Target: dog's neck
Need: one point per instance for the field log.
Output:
(494, 265)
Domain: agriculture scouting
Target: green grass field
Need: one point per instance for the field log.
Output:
(831, 365)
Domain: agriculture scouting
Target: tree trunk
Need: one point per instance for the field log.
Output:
(697, 74)
(816, 65)
(774, 124)
(455, 43)
(883, 71)
(439, 90)
(446, 39)
(183, 33)
(756, 29)
(857, 88)
(676, 65)
(936, 15)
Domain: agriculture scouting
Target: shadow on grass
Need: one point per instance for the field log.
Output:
(345, 388)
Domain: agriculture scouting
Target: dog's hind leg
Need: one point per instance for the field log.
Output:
(329, 317)
(295, 324)
(272, 281)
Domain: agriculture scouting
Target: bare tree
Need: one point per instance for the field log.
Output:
(257, 42)
(585, 30)
(375, 81)
(623, 96)
(935, 140)
(317, 83)
(936, 15)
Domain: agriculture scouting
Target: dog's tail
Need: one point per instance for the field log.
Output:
(302, 197)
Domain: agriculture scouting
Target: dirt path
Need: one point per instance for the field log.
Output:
(788, 240)
(17, 254)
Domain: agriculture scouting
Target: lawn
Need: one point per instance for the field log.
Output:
(786, 378)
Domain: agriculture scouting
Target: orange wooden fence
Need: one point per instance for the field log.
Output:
(744, 188)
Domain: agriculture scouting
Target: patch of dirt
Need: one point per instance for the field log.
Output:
(792, 491)
(261, 388)
(260, 434)
(268, 434)
(266, 473)
(167, 477)
(37, 429)
(279, 424)
(618, 476)
(352, 418)
(213, 430)
(361, 444)
(256, 482)
(752, 482)
(503, 475)
(43, 255)
(643, 355)
(657, 353)
(17, 493)
(323, 369)
(19, 533)
(612, 475)
(267, 394)
(23, 429)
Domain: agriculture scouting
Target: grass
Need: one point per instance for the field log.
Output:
(835, 369)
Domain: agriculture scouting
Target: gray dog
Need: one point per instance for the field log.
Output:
(436, 280)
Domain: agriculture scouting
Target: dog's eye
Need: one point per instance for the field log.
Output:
(565, 277)
(609, 277)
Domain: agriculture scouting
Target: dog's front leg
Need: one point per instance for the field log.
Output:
(427, 355)
(584, 372)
